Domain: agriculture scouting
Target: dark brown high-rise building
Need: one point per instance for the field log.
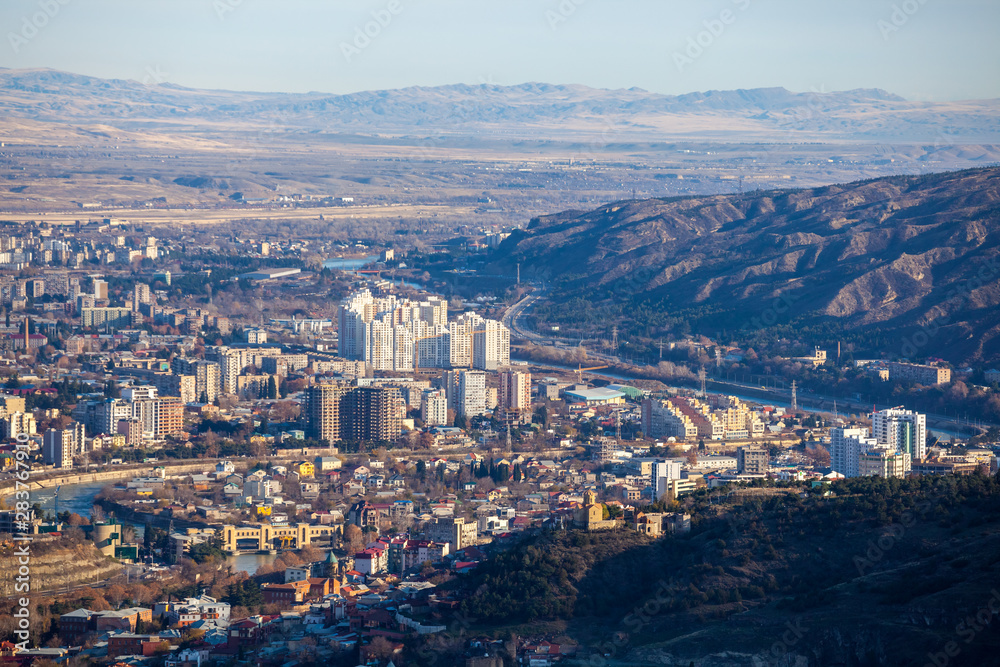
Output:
(370, 414)
(335, 412)
(321, 410)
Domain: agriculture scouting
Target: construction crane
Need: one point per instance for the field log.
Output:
(580, 371)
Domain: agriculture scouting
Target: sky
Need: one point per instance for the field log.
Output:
(921, 49)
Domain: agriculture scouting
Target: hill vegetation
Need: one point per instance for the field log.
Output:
(877, 572)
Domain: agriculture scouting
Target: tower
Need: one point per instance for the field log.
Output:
(614, 339)
(795, 405)
(701, 377)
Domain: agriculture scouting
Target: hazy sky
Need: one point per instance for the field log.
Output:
(920, 49)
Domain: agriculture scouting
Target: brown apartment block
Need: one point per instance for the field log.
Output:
(341, 412)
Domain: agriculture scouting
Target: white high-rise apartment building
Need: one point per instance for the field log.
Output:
(397, 335)
(231, 362)
(515, 390)
(471, 393)
(853, 453)
(663, 472)
(434, 407)
(845, 446)
(491, 345)
(903, 430)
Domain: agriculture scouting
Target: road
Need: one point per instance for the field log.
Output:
(133, 573)
(513, 319)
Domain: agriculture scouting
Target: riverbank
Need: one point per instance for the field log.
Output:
(124, 471)
(938, 425)
(118, 472)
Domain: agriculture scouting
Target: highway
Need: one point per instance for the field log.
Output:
(513, 319)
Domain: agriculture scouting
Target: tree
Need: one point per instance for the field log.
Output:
(272, 388)
(244, 593)
(819, 455)
(353, 538)
(381, 649)
(116, 593)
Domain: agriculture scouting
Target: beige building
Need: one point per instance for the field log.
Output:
(236, 539)
(919, 373)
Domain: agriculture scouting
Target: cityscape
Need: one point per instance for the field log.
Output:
(421, 372)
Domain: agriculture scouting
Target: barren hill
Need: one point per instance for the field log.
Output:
(891, 254)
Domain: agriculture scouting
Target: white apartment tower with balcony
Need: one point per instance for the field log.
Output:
(395, 334)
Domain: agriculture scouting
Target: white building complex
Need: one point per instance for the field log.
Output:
(899, 438)
(903, 429)
(434, 407)
(400, 335)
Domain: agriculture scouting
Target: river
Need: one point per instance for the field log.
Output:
(939, 433)
(79, 499)
(349, 263)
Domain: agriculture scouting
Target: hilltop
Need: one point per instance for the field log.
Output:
(874, 262)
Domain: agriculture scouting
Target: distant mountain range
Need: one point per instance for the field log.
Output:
(908, 265)
(528, 110)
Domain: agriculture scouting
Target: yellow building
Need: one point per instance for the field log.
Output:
(304, 468)
(591, 515)
(266, 536)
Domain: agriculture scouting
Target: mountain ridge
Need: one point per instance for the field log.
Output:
(888, 254)
(529, 109)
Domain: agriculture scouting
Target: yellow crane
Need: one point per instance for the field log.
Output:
(580, 371)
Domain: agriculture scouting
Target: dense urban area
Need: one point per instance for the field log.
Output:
(386, 432)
